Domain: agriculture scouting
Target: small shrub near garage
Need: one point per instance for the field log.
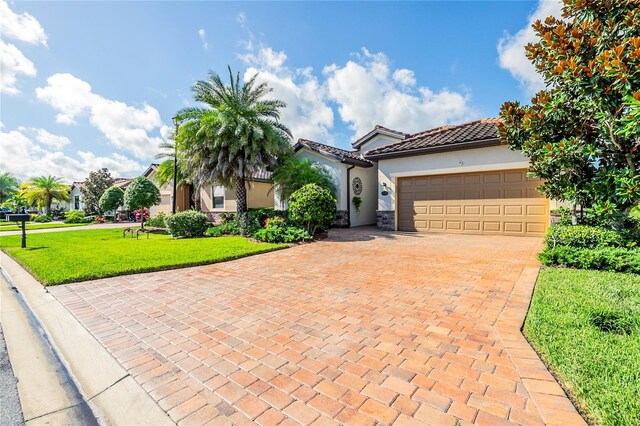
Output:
(43, 218)
(618, 259)
(582, 236)
(228, 228)
(187, 224)
(312, 208)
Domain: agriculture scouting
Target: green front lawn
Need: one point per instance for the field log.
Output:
(11, 226)
(63, 257)
(586, 326)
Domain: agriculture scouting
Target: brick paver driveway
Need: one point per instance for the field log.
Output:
(362, 328)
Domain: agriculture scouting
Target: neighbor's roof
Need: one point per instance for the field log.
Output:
(121, 182)
(380, 130)
(344, 156)
(262, 176)
(450, 137)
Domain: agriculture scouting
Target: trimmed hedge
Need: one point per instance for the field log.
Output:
(312, 208)
(604, 258)
(282, 234)
(187, 224)
(582, 236)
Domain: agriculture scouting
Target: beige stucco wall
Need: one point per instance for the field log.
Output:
(259, 195)
(461, 161)
(367, 214)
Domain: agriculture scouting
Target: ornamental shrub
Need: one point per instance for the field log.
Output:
(615, 259)
(582, 236)
(228, 228)
(158, 221)
(263, 214)
(74, 216)
(187, 224)
(43, 218)
(281, 234)
(111, 199)
(312, 208)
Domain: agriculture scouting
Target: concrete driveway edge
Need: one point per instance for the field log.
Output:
(553, 404)
(103, 382)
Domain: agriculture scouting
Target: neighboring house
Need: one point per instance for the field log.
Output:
(183, 194)
(75, 202)
(214, 199)
(454, 178)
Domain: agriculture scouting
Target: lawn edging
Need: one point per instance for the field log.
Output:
(104, 383)
(552, 402)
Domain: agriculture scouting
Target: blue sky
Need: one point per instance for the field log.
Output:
(94, 84)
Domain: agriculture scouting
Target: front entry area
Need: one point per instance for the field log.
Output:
(496, 202)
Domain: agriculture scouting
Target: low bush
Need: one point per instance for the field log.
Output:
(74, 216)
(33, 216)
(229, 228)
(57, 213)
(262, 215)
(565, 215)
(582, 236)
(281, 234)
(158, 221)
(226, 217)
(187, 224)
(43, 218)
(615, 259)
(312, 208)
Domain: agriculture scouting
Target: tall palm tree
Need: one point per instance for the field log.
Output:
(8, 186)
(234, 136)
(43, 190)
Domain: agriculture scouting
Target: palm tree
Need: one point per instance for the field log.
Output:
(293, 173)
(8, 186)
(43, 190)
(236, 135)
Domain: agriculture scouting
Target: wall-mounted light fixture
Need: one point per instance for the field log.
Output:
(385, 190)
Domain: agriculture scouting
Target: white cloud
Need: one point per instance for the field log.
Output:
(203, 38)
(22, 27)
(511, 53)
(368, 92)
(126, 127)
(13, 63)
(307, 114)
(44, 137)
(25, 158)
(404, 77)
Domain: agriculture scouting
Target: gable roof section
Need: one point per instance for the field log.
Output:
(152, 168)
(379, 130)
(475, 134)
(342, 155)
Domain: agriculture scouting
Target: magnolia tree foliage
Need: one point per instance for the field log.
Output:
(111, 199)
(141, 193)
(582, 132)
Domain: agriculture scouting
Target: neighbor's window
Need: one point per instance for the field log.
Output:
(76, 202)
(218, 197)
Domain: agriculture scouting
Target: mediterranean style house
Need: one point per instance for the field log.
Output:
(76, 198)
(453, 178)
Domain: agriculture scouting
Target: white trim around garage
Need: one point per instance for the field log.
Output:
(462, 169)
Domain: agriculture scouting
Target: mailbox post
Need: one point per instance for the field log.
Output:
(23, 218)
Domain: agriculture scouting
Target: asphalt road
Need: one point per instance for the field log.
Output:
(10, 410)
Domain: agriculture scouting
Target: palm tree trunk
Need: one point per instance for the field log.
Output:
(241, 195)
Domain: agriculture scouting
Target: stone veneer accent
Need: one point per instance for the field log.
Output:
(386, 220)
(341, 220)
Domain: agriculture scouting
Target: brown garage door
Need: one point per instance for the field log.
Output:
(500, 202)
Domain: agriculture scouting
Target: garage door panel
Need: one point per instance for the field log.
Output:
(504, 202)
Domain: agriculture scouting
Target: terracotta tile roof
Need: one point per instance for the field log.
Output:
(377, 126)
(445, 137)
(262, 175)
(376, 130)
(350, 157)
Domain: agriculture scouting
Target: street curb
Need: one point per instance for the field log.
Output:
(99, 376)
